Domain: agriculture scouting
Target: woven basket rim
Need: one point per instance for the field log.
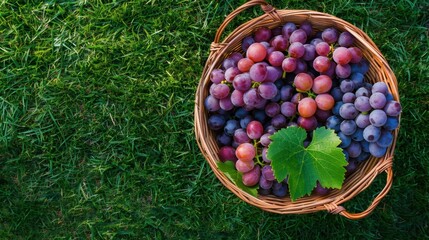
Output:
(356, 182)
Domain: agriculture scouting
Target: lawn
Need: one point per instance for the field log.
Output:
(96, 124)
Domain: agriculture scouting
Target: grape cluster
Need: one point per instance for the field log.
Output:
(294, 76)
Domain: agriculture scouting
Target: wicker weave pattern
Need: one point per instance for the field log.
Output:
(379, 71)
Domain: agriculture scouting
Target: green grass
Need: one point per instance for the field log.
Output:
(96, 124)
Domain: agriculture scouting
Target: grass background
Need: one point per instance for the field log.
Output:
(96, 124)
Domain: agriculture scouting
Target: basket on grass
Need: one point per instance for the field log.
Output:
(379, 70)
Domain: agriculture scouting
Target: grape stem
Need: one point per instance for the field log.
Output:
(257, 156)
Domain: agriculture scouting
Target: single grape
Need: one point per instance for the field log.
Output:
(228, 63)
(227, 153)
(276, 58)
(211, 103)
(241, 113)
(246, 120)
(252, 97)
(272, 109)
(330, 35)
(256, 52)
(308, 123)
(217, 76)
(391, 123)
(289, 64)
(324, 101)
(307, 107)
(322, 115)
(242, 82)
(362, 120)
(226, 103)
(254, 129)
(341, 55)
(380, 87)
(251, 178)
(280, 43)
(296, 50)
(262, 34)
(349, 97)
(337, 107)
(243, 166)
(333, 122)
(220, 90)
(336, 93)
(358, 135)
(357, 79)
(259, 115)
(362, 91)
(216, 122)
(347, 85)
(240, 136)
(361, 67)
(322, 84)
(288, 109)
(377, 117)
(348, 127)
(237, 98)
(267, 90)
(267, 172)
(321, 64)
(393, 108)
(376, 150)
(365, 146)
(297, 97)
(286, 93)
(258, 72)
(377, 100)
(348, 111)
(363, 156)
(273, 74)
(371, 133)
(279, 121)
(362, 104)
(230, 73)
(301, 66)
(345, 140)
(265, 139)
(303, 82)
(386, 139)
(354, 149)
(331, 70)
(264, 155)
(310, 52)
(323, 49)
(244, 64)
(307, 27)
(343, 71)
(319, 190)
(316, 40)
(346, 39)
(279, 189)
(245, 152)
(298, 35)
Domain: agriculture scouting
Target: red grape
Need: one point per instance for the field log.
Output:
(307, 107)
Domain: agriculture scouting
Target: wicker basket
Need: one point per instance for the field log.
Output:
(367, 171)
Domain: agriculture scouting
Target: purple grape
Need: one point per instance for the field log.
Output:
(262, 34)
(289, 64)
(252, 97)
(242, 82)
(333, 122)
(223, 139)
(279, 189)
(386, 139)
(346, 39)
(371, 133)
(348, 127)
(280, 43)
(240, 136)
(267, 172)
(279, 121)
(241, 113)
(247, 41)
(264, 155)
(362, 104)
(226, 103)
(259, 115)
(217, 76)
(360, 67)
(251, 177)
(345, 140)
(347, 85)
(301, 66)
(348, 111)
(228, 63)
(349, 97)
(330, 35)
(272, 109)
(246, 120)
(393, 108)
(357, 79)
(286, 93)
(310, 52)
(363, 156)
(378, 118)
(230, 73)
(258, 72)
(376, 150)
(265, 139)
(296, 50)
(354, 149)
(236, 56)
(362, 120)
(220, 90)
(211, 103)
(216, 122)
(337, 107)
(365, 146)
(337, 94)
(358, 135)
(391, 124)
(288, 109)
(316, 40)
(231, 126)
(377, 100)
(380, 87)
(362, 91)
(343, 71)
(267, 90)
(237, 98)
(307, 27)
(323, 49)
(276, 58)
(298, 35)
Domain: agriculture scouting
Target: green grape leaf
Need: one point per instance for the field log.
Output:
(235, 176)
(321, 161)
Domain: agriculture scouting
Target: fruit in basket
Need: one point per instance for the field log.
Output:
(292, 78)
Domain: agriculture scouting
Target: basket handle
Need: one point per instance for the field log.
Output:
(354, 216)
(264, 5)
